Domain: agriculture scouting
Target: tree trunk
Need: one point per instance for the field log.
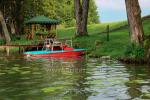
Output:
(135, 21)
(4, 27)
(78, 15)
(81, 14)
(85, 8)
(19, 16)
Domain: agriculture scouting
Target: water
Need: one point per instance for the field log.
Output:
(71, 79)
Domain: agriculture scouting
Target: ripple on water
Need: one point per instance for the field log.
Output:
(93, 80)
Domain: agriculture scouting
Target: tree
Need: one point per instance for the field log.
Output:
(64, 11)
(13, 11)
(135, 21)
(18, 11)
(4, 27)
(93, 13)
(81, 15)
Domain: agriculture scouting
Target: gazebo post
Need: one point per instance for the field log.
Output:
(32, 31)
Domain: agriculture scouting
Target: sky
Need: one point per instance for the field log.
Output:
(115, 10)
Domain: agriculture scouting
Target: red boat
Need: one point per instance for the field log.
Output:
(53, 48)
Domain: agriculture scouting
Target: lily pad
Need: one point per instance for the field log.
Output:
(25, 72)
(137, 82)
(51, 89)
(143, 75)
(37, 73)
(2, 73)
(26, 67)
(2, 64)
(16, 65)
(11, 72)
(16, 69)
(146, 96)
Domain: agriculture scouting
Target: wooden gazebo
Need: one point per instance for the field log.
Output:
(36, 22)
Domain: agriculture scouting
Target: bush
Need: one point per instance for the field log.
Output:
(14, 37)
(135, 51)
(2, 41)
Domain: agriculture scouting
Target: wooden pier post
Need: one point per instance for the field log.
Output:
(7, 51)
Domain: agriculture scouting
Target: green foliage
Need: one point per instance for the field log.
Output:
(93, 14)
(135, 51)
(62, 10)
(32, 8)
(2, 41)
(15, 37)
(147, 42)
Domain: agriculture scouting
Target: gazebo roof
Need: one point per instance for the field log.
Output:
(42, 20)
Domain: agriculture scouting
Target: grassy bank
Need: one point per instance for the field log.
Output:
(115, 47)
(96, 42)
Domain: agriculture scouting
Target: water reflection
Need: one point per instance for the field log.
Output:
(71, 79)
(69, 74)
(139, 81)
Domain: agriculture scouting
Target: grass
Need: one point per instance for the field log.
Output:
(116, 47)
(92, 29)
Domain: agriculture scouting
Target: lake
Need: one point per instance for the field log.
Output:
(71, 79)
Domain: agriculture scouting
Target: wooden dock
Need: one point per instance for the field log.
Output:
(21, 48)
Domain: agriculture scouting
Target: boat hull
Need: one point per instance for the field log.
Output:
(60, 53)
